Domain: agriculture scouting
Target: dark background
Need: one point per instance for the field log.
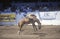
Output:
(7, 3)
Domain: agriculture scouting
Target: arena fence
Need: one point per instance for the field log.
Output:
(46, 18)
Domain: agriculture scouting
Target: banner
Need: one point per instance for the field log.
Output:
(48, 15)
(7, 17)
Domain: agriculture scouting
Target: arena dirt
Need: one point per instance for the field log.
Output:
(46, 32)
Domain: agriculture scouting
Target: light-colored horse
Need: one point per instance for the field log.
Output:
(27, 20)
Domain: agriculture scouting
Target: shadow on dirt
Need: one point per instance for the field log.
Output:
(40, 34)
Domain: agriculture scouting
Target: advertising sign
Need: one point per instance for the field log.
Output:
(48, 15)
(7, 17)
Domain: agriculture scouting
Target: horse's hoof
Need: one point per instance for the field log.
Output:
(35, 30)
(39, 28)
(18, 32)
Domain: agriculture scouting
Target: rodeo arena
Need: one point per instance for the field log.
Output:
(29, 19)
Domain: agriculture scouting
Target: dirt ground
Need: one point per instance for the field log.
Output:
(46, 32)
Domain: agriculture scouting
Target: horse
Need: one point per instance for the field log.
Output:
(27, 20)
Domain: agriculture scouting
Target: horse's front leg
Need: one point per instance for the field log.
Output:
(34, 26)
(39, 24)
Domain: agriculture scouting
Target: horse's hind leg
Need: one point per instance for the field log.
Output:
(20, 27)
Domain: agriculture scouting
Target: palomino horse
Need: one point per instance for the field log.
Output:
(27, 20)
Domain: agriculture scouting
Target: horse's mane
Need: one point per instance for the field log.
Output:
(33, 15)
(30, 15)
